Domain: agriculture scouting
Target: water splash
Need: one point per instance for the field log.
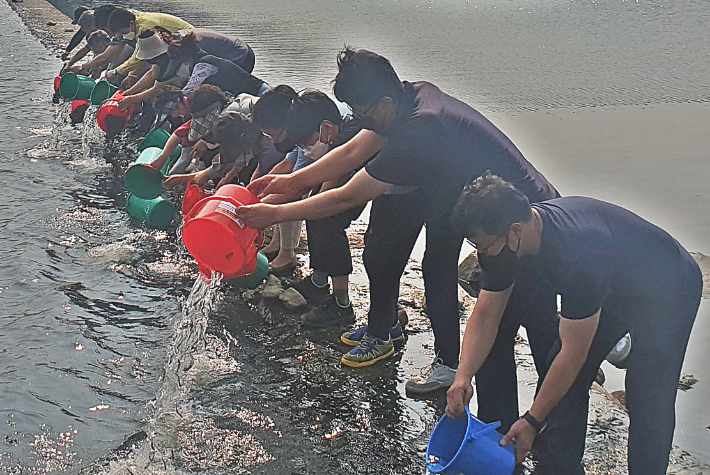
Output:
(92, 137)
(61, 122)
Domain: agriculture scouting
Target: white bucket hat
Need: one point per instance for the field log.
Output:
(151, 47)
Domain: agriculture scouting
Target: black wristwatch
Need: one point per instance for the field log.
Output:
(537, 425)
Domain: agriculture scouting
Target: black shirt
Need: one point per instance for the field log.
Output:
(441, 143)
(598, 255)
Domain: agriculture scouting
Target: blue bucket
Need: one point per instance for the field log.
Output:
(468, 446)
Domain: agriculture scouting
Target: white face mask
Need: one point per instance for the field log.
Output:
(130, 36)
(317, 150)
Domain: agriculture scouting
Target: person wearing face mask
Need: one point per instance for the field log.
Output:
(315, 123)
(129, 25)
(437, 143)
(613, 270)
(182, 62)
(204, 105)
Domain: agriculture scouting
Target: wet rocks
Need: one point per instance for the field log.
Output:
(273, 287)
(292, 299)
(686, 382)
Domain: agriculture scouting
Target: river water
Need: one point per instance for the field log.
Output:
(607, 98)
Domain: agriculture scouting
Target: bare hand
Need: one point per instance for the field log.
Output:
(198, 149)
(258, 216)
(171, 182)
(201, 178)
(127, 102)
(521, 435)
(110, 75)
(65, 55)
(272, 185)
(457, 398)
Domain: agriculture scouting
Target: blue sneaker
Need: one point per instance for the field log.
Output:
(353, 337)
(368, 351)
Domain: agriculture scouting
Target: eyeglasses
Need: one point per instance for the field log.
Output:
(486, 249)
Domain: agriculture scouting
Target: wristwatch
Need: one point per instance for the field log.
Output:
(537, 425)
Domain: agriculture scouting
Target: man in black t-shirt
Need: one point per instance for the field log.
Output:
(436, 143)
(615, 272)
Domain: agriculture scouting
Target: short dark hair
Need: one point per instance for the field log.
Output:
(101, 15)
(203, 96)
(271, 109)
(307, 113)
(120, 19)
(364, 78)
(98, 38)
(490, 204)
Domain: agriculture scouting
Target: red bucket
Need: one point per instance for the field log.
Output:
(193, 194)
(216, 238)
(111, 118)
(57, 80)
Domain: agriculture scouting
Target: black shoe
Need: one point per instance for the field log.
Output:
(314, 295)
(331, 314)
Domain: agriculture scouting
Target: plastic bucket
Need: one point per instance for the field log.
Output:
(193, 194)
(111, 118)
(102, 91)
(158, 138)
(142, 180)
(216, 238)
(73, 86)
(253, 279)
(57, 81)
(156, 213)
(468, 446)
(77, 111)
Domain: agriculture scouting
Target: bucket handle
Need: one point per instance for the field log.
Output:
(488, 428)
(204, 201)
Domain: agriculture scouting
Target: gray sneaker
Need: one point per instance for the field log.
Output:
(434, 377)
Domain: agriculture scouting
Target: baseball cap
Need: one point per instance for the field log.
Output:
(235, 134)
(77, 14)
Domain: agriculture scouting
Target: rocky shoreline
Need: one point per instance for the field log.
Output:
(606, 438)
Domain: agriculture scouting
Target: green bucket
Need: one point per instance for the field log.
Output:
(141, 180)
(156, 213)
(102, 91)
(253, 280)
(75, 87)
(158, 138)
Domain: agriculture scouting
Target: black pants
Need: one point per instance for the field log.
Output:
(535, 308)
(654, 366)
(395, 224)
(328, 244)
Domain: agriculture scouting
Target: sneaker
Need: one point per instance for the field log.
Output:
(353, 337)
(436, 376)
(368, 351)
(329, 315)
(314, 295)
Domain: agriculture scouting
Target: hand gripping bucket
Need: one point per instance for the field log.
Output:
(158, 138)
(142, 180)
(193, 195)
(468, 446)
(216, 238)
(73, 86)
(156, 213)
(102, 91)
(111, 118)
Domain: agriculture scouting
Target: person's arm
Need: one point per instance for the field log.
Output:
(168, 149)
(481, 331)
(358, 191)
(144, 96)
(146, 82)
(73, 43)
(130, 65)
(284, 167)
(172, 181)
(576, 337)
(77, 56)
(334, 164)
(200, 73)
